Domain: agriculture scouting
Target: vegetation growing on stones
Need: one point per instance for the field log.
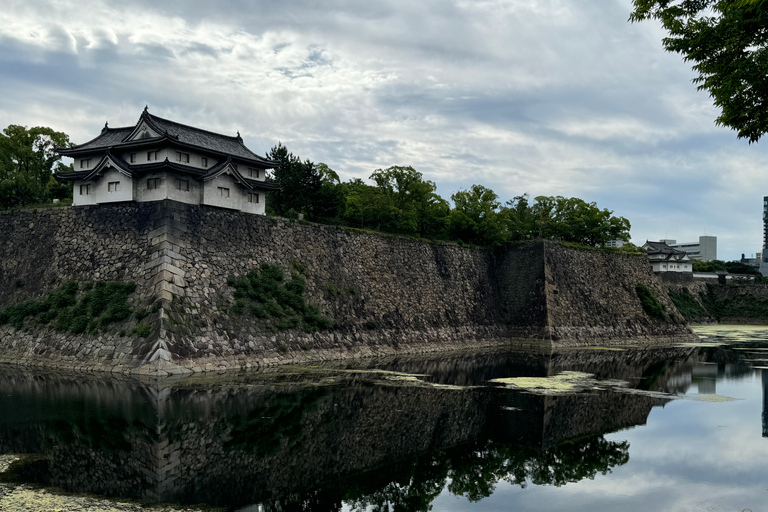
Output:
(687, 304)
(734, 305)
(90, 307)
(651, 305)
(265, 294)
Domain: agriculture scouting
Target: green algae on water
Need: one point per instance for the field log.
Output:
(564, 383)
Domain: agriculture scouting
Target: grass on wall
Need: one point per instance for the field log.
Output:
(746, 306)
(266, 294)
(687, 304)
(74, 308)
(651, 305)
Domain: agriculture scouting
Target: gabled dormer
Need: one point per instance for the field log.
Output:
(145, 129)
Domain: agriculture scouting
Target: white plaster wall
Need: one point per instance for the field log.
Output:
(124, 189)
(257, 208)
(193, 196)
(195, 159)
(212, 194)
(671, 267)
(81, 200)
(92, 161)
(142, 193)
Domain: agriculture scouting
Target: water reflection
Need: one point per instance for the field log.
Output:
(318, 439)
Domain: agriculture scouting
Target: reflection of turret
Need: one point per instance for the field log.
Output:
(262, 439)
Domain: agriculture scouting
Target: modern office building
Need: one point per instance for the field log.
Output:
(704, 250)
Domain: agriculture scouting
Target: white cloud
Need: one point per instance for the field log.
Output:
(546, 97)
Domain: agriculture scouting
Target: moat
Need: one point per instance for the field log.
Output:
(679, 427)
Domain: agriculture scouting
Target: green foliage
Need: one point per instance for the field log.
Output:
(651, 305)
(304, 187)
(142, 330)
(401, 201)
(687, 304)
(708, 266)
(475, 218)
(724, 305)
(727, 42)
(265, 294)
(72, 308)
(27, 159)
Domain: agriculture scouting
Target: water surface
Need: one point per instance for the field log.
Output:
(667, 428)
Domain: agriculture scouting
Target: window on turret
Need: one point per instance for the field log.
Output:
(224, 192)
(85, 190)
(253, 197)
(85, 163)
(204, 162)
(253, 173)
(151, 156)
(153, 183)
(182, 185)
(133, 158)
(113, 186)
(182, 157)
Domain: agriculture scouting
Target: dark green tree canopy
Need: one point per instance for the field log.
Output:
(727, 42)
(27, 162)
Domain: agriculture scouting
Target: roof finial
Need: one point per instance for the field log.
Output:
(106, 127)
(239, 137)
(146, 108)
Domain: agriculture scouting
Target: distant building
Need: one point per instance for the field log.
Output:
(703, 250)
(664, 258)
(753, 262)
(160, 159)
(615, 243)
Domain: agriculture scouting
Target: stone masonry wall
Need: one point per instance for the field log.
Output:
(386, 294)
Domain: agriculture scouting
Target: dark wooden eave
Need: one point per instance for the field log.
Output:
(137, 171)
(171, 134)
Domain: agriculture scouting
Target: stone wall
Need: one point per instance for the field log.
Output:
(735, 302)
(386, 294)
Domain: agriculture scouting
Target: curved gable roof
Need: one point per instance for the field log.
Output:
(173, 131)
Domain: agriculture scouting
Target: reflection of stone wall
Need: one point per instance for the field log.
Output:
(234, 445)
(417, 296)
(257, 437)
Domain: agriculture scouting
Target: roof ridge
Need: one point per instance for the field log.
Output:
(233, 137)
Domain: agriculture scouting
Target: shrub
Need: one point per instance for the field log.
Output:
(75, 308)
(265, 294)
(142, 330)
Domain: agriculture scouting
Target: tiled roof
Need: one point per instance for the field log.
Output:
(108, 138)
(660, 251)
(176, 133)
(661, 248)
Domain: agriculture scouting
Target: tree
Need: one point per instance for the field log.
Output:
(27, 160)
(570, 219)
(417, 208)
(727, 40)
(475, 217)
(300, 183)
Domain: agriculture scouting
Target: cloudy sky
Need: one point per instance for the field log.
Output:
(545, 97)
